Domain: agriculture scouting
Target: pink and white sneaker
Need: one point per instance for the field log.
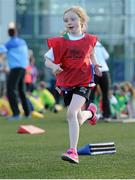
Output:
(71, 156)
(92, 107)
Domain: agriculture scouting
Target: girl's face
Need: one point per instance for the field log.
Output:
(72, 23)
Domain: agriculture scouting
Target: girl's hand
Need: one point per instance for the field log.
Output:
(57, 69)
(97, 70)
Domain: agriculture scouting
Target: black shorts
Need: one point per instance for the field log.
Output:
(82, 91)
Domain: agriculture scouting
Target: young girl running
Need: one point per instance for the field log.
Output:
(71, 59)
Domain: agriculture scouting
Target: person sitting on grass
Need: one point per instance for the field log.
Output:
(130, 95)
(122, 99)
(46, 96)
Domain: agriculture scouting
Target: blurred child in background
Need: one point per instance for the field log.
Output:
(31, 73)
(102, 56)
(120, 94)
(3, 70)
(114, 105)
(130, 95)
(45, 95)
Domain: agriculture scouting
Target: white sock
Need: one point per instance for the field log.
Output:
(83, 116)
(74, 130)
(74, 110)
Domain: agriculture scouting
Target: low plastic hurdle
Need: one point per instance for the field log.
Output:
(97, 148)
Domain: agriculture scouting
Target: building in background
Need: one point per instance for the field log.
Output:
(113, 21)
(7, 14)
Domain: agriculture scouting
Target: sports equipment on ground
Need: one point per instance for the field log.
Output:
(97, 148)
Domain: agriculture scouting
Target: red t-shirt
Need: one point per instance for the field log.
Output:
(74, 57)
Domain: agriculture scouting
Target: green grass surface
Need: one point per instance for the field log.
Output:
(25, 156)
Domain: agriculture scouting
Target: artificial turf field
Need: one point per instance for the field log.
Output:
(25, 156)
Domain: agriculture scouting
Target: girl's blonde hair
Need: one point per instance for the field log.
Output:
(82, 15)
